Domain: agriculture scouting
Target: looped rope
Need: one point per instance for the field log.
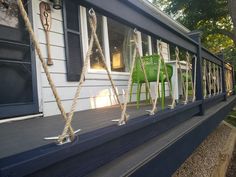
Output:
(154, 108)
(172, 106)
(186, 77)
(218, 80)
(195, 78)
(123, 120)
(180, 69)
(93, 22)
(68, 131)
(44, 65)
(209, 78)
(204, 78)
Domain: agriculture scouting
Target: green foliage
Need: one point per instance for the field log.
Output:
(212, 17)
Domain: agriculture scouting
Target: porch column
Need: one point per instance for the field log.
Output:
(196, 36)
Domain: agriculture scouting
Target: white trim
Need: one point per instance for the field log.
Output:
(140, 43)
(84, 31)
(21, 118)
(94, 71)
(106, 42)
(168, 18)
(149, 45)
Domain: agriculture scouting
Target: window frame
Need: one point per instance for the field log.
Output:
(85, 38)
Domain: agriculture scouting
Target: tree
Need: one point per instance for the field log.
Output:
(216, 18)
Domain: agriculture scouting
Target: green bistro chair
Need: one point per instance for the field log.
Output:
(151, 65)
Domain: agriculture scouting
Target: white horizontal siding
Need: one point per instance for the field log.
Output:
(96, 90)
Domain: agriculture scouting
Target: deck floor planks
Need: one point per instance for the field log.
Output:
(20, 136)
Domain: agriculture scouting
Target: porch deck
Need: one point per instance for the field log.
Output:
(20, 136)
(105, 149)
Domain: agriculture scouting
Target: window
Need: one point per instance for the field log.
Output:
(117, 42)
(121, 46)
(154, 46)
(145, 44)
(95, 59)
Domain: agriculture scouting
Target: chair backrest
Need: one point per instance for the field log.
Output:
(150, 64)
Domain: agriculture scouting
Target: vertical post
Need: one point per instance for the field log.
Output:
(221, 55)
(196, 35)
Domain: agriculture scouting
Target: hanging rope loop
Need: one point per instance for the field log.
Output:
(179, 68)
(44, 65)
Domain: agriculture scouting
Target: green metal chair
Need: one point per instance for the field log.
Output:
(150, 64)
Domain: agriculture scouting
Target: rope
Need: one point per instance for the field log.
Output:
(210, 79)
(204, 78)
(44, 65)
(218, 79)
(187, 73)
(214, 78)
(144, 70)
(123, 119)
(106, 68)
(180, 69)
(93, 23)
(195, 78)
(154, 107)
(172, 106)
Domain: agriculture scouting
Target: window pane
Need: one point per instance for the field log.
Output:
(96, 60)
(72, 16)
(154, 46)
(121, 46)
(145, 44)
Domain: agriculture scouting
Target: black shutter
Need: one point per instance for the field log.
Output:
(74, 61)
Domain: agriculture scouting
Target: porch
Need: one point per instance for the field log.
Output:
(105, 149)
(156, 143)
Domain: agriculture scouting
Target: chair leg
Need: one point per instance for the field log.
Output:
(146, 92)
(131, 92)
(148, 97)
(162, 94)
(139, 86)
(159, 94)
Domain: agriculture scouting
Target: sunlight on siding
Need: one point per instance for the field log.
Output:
(104, 98)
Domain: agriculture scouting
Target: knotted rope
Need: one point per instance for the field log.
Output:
(179, 69)
(187, 75)
(123, 119)
(172, 106)
(209, 78)
(68, 131)
(93, 23)
(154, 107)
(136, 53)
(94, 37)
(195, 78)
(214, 78)
(204, 78)
(44, 65)
(218, 80)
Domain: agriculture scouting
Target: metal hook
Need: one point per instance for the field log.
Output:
(135, 30)
(91, 12)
